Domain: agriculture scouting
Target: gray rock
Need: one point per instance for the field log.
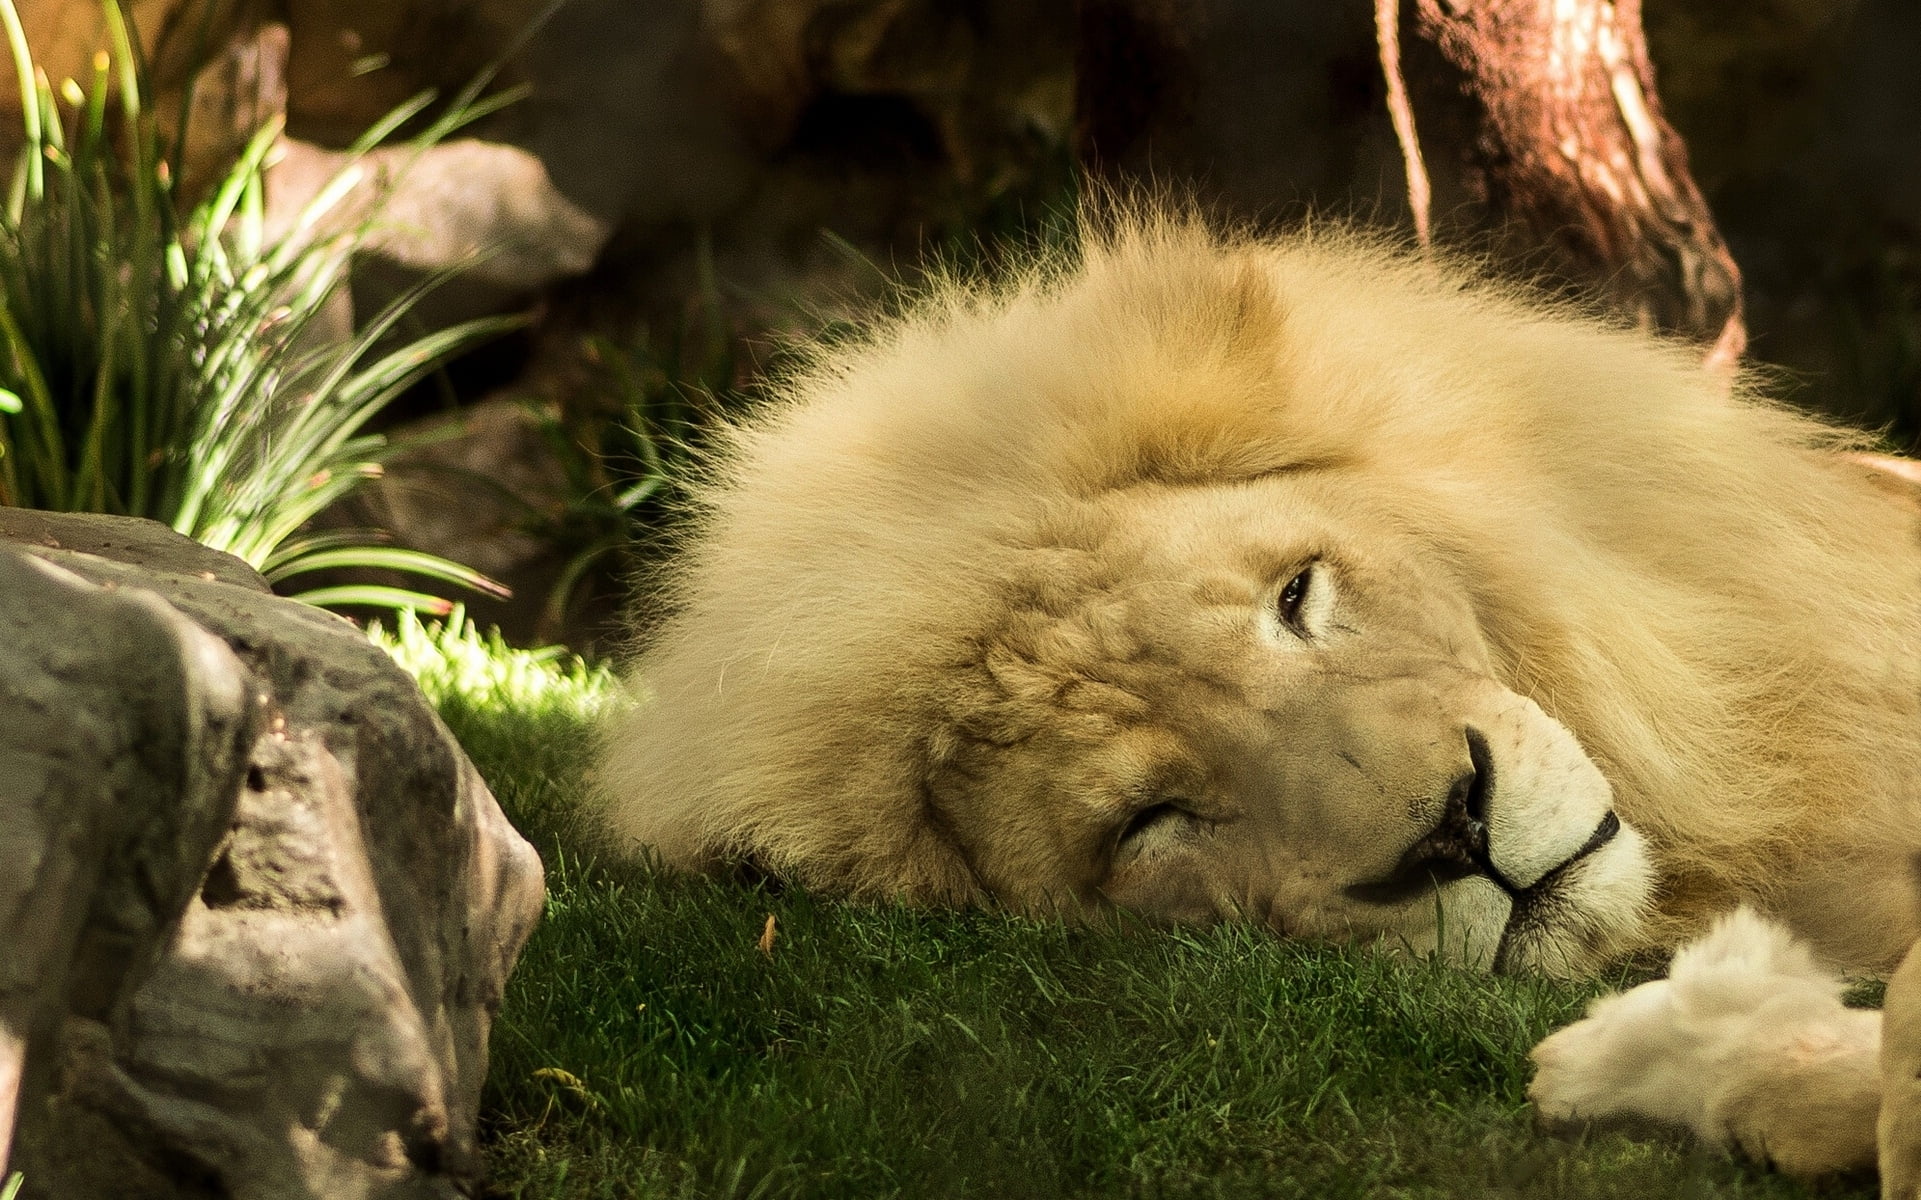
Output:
(125, 741)
(267, 906)
(128, 540)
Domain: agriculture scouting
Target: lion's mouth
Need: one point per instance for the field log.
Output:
(1458, 847)
(1525, 898)
(1544, 904)
(1411, 880)
(1534, 911)
(1602, 835)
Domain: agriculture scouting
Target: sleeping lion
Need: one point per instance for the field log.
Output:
(1298, 581)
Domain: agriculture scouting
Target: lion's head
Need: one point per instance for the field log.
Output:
(1270, 697)
(1288, 581)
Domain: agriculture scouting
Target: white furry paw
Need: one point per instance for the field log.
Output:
(1746, 1043)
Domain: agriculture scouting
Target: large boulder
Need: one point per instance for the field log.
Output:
(258, 907)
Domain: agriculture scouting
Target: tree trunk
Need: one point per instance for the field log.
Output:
(1573, 141)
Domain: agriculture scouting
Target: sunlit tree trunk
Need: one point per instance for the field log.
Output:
(1572, 141)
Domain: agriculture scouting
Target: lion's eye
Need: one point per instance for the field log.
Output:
(1148, 819)
(1291, 597)
(1293, 601)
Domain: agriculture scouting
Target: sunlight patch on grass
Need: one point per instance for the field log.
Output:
(457, 665)
(525, 717)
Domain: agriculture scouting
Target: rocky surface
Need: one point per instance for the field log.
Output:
(136, 543)
(258, 906)
(125, 742)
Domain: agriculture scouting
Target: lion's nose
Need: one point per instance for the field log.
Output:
(1457, 846)
(1475, 789)
(1460, 836)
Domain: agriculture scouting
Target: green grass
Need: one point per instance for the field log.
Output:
(648, 1047)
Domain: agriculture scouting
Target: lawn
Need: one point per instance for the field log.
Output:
(651, 1046)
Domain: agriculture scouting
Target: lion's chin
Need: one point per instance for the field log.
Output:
(1589, 912)
(1460, 922)
(1592, 911)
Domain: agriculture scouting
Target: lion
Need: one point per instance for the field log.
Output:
(1747, 1045)
(1298, 580)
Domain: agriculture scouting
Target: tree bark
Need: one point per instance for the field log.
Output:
(1573, 141)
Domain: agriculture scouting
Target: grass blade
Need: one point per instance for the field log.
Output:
(368, 595)
(391, 558)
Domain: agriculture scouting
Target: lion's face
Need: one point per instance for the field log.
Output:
(1272, 699)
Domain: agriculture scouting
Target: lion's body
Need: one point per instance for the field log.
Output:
(1725, 615)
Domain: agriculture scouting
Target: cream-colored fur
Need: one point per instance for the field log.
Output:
(1898, 1129)
(1745, 1043)
(984, 605)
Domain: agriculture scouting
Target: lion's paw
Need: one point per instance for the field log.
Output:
(1745, 1043)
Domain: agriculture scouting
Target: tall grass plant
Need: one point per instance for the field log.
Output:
(156, 356)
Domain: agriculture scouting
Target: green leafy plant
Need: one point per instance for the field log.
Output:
(12, 1186)
(156, 356)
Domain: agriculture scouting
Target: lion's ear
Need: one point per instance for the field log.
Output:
(1166, 281)
(1223, 309)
